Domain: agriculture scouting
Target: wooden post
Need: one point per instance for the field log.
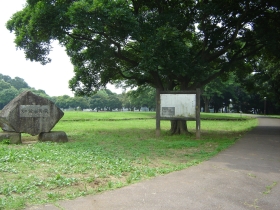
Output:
(197, 113)
(157, 112)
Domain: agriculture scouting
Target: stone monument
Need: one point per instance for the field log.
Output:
(32, 114)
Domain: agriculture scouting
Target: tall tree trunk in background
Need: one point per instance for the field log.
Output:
(206, 103)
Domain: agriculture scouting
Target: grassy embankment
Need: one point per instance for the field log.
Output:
(107, 150)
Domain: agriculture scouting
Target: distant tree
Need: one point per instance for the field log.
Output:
(19, 83)
(76, 102)
(5, 78)
(99, 100)
(6, 95)
(39, 92)
(126, 101)
(113, 102)
(265, 81)
(219, 92)
(4, 85)
(6, 82)
(62, 101)
(143, 96)
(109, 92)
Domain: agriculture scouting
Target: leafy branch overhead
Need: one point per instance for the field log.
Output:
(165, 44)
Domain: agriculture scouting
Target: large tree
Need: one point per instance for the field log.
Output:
(167, 44)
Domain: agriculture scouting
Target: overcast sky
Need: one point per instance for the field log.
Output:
(53, 77)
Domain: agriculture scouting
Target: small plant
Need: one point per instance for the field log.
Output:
(110, 184)
(53, 195)
(5, 141)
(129, 180)
(269, 188)
(252, 175)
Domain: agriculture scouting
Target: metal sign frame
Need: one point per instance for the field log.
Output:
(171, 110)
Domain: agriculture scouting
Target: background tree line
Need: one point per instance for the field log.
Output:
(235, 95)
(102, 100)
(230, 95)
(107, 100)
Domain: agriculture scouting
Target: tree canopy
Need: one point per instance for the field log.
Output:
(167, 44)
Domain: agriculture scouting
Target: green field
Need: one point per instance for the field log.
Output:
(73, 115)
(106, 150)
(76, 115)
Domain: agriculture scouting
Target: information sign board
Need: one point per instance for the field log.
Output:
(178, 105)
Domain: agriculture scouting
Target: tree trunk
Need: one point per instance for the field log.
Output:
(179, 127)
(206, 107)
(206, 104)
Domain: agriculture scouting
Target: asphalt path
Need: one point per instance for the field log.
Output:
(244, 176)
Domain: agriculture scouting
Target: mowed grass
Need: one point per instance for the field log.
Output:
(78, 115)
(104, 154)
(223, 116)
(87, 116)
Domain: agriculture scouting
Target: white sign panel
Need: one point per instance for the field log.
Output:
(178, 105)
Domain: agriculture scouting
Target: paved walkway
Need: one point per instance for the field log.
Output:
(245, 176)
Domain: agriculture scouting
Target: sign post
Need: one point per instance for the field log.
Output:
(157, 113)
(197, 108)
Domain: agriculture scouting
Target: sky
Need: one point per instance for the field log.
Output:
(52, 78)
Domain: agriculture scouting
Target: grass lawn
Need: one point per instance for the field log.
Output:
(106, 150)
(274, 116)
(86, 116)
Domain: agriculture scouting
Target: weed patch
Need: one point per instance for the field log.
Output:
(269, 188)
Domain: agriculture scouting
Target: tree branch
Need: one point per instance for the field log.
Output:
(157, 80)
(225, 67)
(79, 37)
(226, 44)
(118, 54)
